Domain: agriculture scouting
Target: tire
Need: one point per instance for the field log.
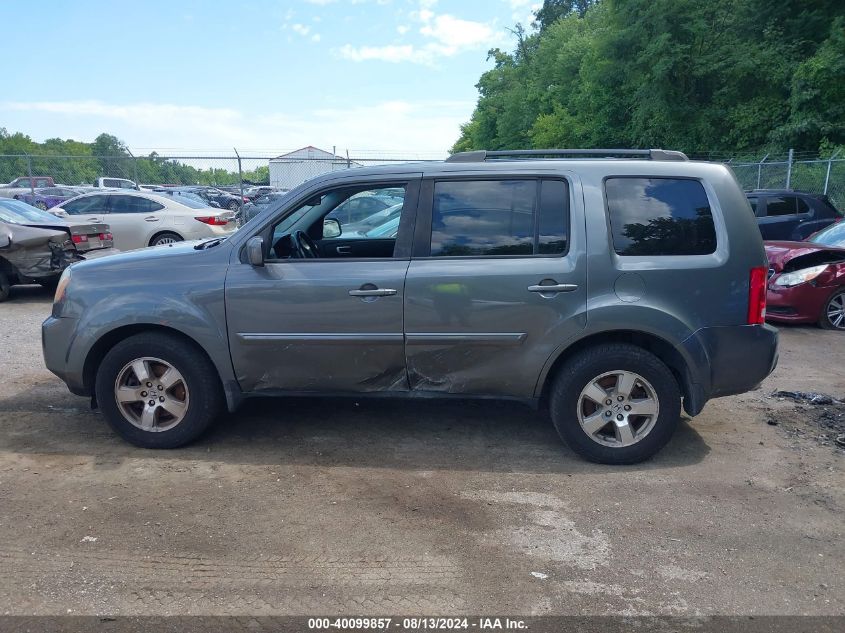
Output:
(654, 388)
(196, 397)
(41, 205)
(234, 206)
(165, 238)
(832, 317)
(5, 286)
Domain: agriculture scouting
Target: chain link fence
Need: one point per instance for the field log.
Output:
(286, 171)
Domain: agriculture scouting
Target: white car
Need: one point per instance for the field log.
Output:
(141, 218)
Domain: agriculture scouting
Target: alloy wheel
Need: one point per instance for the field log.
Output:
(618, 408)
(151, 394)
(836, 311)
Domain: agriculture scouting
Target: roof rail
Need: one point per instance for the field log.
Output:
(479, 156)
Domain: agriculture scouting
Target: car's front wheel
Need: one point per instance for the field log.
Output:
(833, 314)
(41, 205)
(234, 206)
(158, 390)
(615, 404)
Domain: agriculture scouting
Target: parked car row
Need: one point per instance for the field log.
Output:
(145, 218)
(36, 246)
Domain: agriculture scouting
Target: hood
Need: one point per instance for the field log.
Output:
(162, 255)
(798, 255)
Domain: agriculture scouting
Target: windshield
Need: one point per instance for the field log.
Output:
(834, 236)
(18, 212)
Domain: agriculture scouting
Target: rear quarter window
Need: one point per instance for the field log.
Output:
(659, 216)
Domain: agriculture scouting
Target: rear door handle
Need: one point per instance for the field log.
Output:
(94, 220)
(553, 288)
(151, 218)
(373, 292)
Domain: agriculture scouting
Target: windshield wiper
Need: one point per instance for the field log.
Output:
(209, 243)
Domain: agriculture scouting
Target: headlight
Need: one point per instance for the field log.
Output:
(800, 276)
(61, 289)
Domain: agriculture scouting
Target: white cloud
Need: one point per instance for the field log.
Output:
(315, 37)
(402, 127)
(301, 29)
(444, 35)
(390, 53)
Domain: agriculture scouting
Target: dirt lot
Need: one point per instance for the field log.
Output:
(389, 507)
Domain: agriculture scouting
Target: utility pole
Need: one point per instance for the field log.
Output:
(240, 174)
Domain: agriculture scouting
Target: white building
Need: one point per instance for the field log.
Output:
(292, 169)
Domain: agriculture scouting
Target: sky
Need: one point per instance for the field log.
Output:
(376, 77)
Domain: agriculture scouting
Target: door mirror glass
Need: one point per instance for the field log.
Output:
(255, 251)
(331, 228)
(5, 241)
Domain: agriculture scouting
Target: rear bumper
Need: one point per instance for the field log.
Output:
(728, 360)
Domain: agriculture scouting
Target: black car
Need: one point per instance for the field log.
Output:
(791, 215)
(213, 194)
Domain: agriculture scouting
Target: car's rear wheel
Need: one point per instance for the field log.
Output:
(234, 206)
(165, 238)
(615, 404)
(833, 313)
(158, 391)
(41, 205)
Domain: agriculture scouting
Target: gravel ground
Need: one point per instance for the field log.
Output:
(336, 506)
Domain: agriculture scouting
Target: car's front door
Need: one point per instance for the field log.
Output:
(496, 284)
(323, 324)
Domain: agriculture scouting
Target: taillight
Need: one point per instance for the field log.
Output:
(79, 239)
(213, 220)
(757, 296)
(106, 237)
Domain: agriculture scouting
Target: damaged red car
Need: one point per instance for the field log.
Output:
(36, 246)
(807, 279)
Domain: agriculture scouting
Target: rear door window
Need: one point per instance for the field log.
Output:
(780, 205)
(659, 216)
(478, 218)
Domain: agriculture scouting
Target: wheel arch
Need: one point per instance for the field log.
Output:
(101, 347)
(660, 347)
(163, 232)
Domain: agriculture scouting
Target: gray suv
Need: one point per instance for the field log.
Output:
(611, 286)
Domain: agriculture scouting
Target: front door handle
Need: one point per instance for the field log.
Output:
(94, 220)
(151, 218)
(372, 292)
(553, 288)
(344, 250)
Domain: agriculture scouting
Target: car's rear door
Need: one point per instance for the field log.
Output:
(497, 281)
(134, 220)
(780, 217)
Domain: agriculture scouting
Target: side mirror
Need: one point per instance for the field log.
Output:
(214, 204)
(5, 240)
(255, 251)
(331, 228)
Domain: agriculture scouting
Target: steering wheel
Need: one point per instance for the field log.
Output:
(303, 245)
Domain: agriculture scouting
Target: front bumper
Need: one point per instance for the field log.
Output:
(799, 304)
(56, 339)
